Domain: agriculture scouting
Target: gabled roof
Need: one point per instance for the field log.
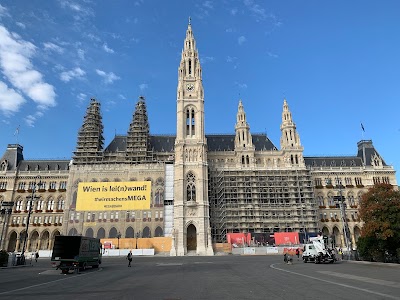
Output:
(226, 142)
(13, 156)
(44, 165)
(333, 161)
(215, 142)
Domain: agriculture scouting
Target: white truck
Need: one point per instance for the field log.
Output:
(318, 252)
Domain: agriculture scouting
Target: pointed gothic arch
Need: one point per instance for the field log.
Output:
(191, 237)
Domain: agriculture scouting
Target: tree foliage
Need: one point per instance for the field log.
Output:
(380, 211)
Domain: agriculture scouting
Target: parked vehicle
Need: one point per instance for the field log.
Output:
(318, 251)
(76, 253)
(309, 253)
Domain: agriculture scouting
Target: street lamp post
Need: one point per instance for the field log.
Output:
(346, 231)
(31, 198)
(118, 237)
(137, 237)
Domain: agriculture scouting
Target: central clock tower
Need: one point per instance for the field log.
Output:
(191, 233)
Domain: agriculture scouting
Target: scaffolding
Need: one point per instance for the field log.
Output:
(261, 201)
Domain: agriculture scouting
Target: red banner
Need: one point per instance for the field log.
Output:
(239, 238)
(286, 238)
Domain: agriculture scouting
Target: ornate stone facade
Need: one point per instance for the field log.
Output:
(203, 186)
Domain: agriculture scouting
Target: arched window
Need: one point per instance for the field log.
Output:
(60, 203)
(190, 122)
(50, 204)
(191, 187)
(190, 67)
(159, 197)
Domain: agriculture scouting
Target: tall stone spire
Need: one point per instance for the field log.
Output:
(138, 138)
(191, 169)
(89, 147)
(290, 138)
(243, 139)
(244, 147)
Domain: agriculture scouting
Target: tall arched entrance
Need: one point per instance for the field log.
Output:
(191, 238)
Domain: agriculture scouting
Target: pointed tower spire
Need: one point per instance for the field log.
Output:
(243, 139)
(89, 147)
(190, 166)
(244, 147)
(138, 138)
(290, 138)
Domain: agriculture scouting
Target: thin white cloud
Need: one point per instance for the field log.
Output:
(4, 11)
(15, 63)
(241, 39)
(207, 59)
(30, 120)
(230, 59)
(81, 54)
(81, 97)
(203, 9)
(10, 100)
(53, 47)
(76, 73)
(22, 25)
(92, 37)
(108, 77)
(233, 11)
(143, 86)
(257, 11)
(79, 10)
(208, 4)
(138, 2)
(122, 96)
(107, 49)
(241, 85)
(273, 55)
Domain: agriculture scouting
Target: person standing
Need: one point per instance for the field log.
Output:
(297, 253)
(129, 258)
(36, 256)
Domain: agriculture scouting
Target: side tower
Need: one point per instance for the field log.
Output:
(191, 207)
(89, 148)
(138, 138)
(290, 139)
(244, 147)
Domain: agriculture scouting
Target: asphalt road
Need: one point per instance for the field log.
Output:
(218, 277)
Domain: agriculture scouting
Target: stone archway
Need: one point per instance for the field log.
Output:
(357, 233)
(146, 232)
(158, 232)
(73, 232)
(101, 233)
(337, 237)
(89, 232)
(33, 241)
(129, 233)
(191, 238)
(45, 241)
(325, 231)
(113, 233)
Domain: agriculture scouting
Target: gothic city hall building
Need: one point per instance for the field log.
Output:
(200, 187)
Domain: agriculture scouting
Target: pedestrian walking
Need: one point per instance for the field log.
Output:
(36, 256)
(297, 253)
(129, 258)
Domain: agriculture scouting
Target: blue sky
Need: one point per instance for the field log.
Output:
(336, 62)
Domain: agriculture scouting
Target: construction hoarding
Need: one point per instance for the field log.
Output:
(100, 196)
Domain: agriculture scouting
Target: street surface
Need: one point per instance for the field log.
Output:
(218, 277)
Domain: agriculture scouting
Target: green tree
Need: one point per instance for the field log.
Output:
(380, 211)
